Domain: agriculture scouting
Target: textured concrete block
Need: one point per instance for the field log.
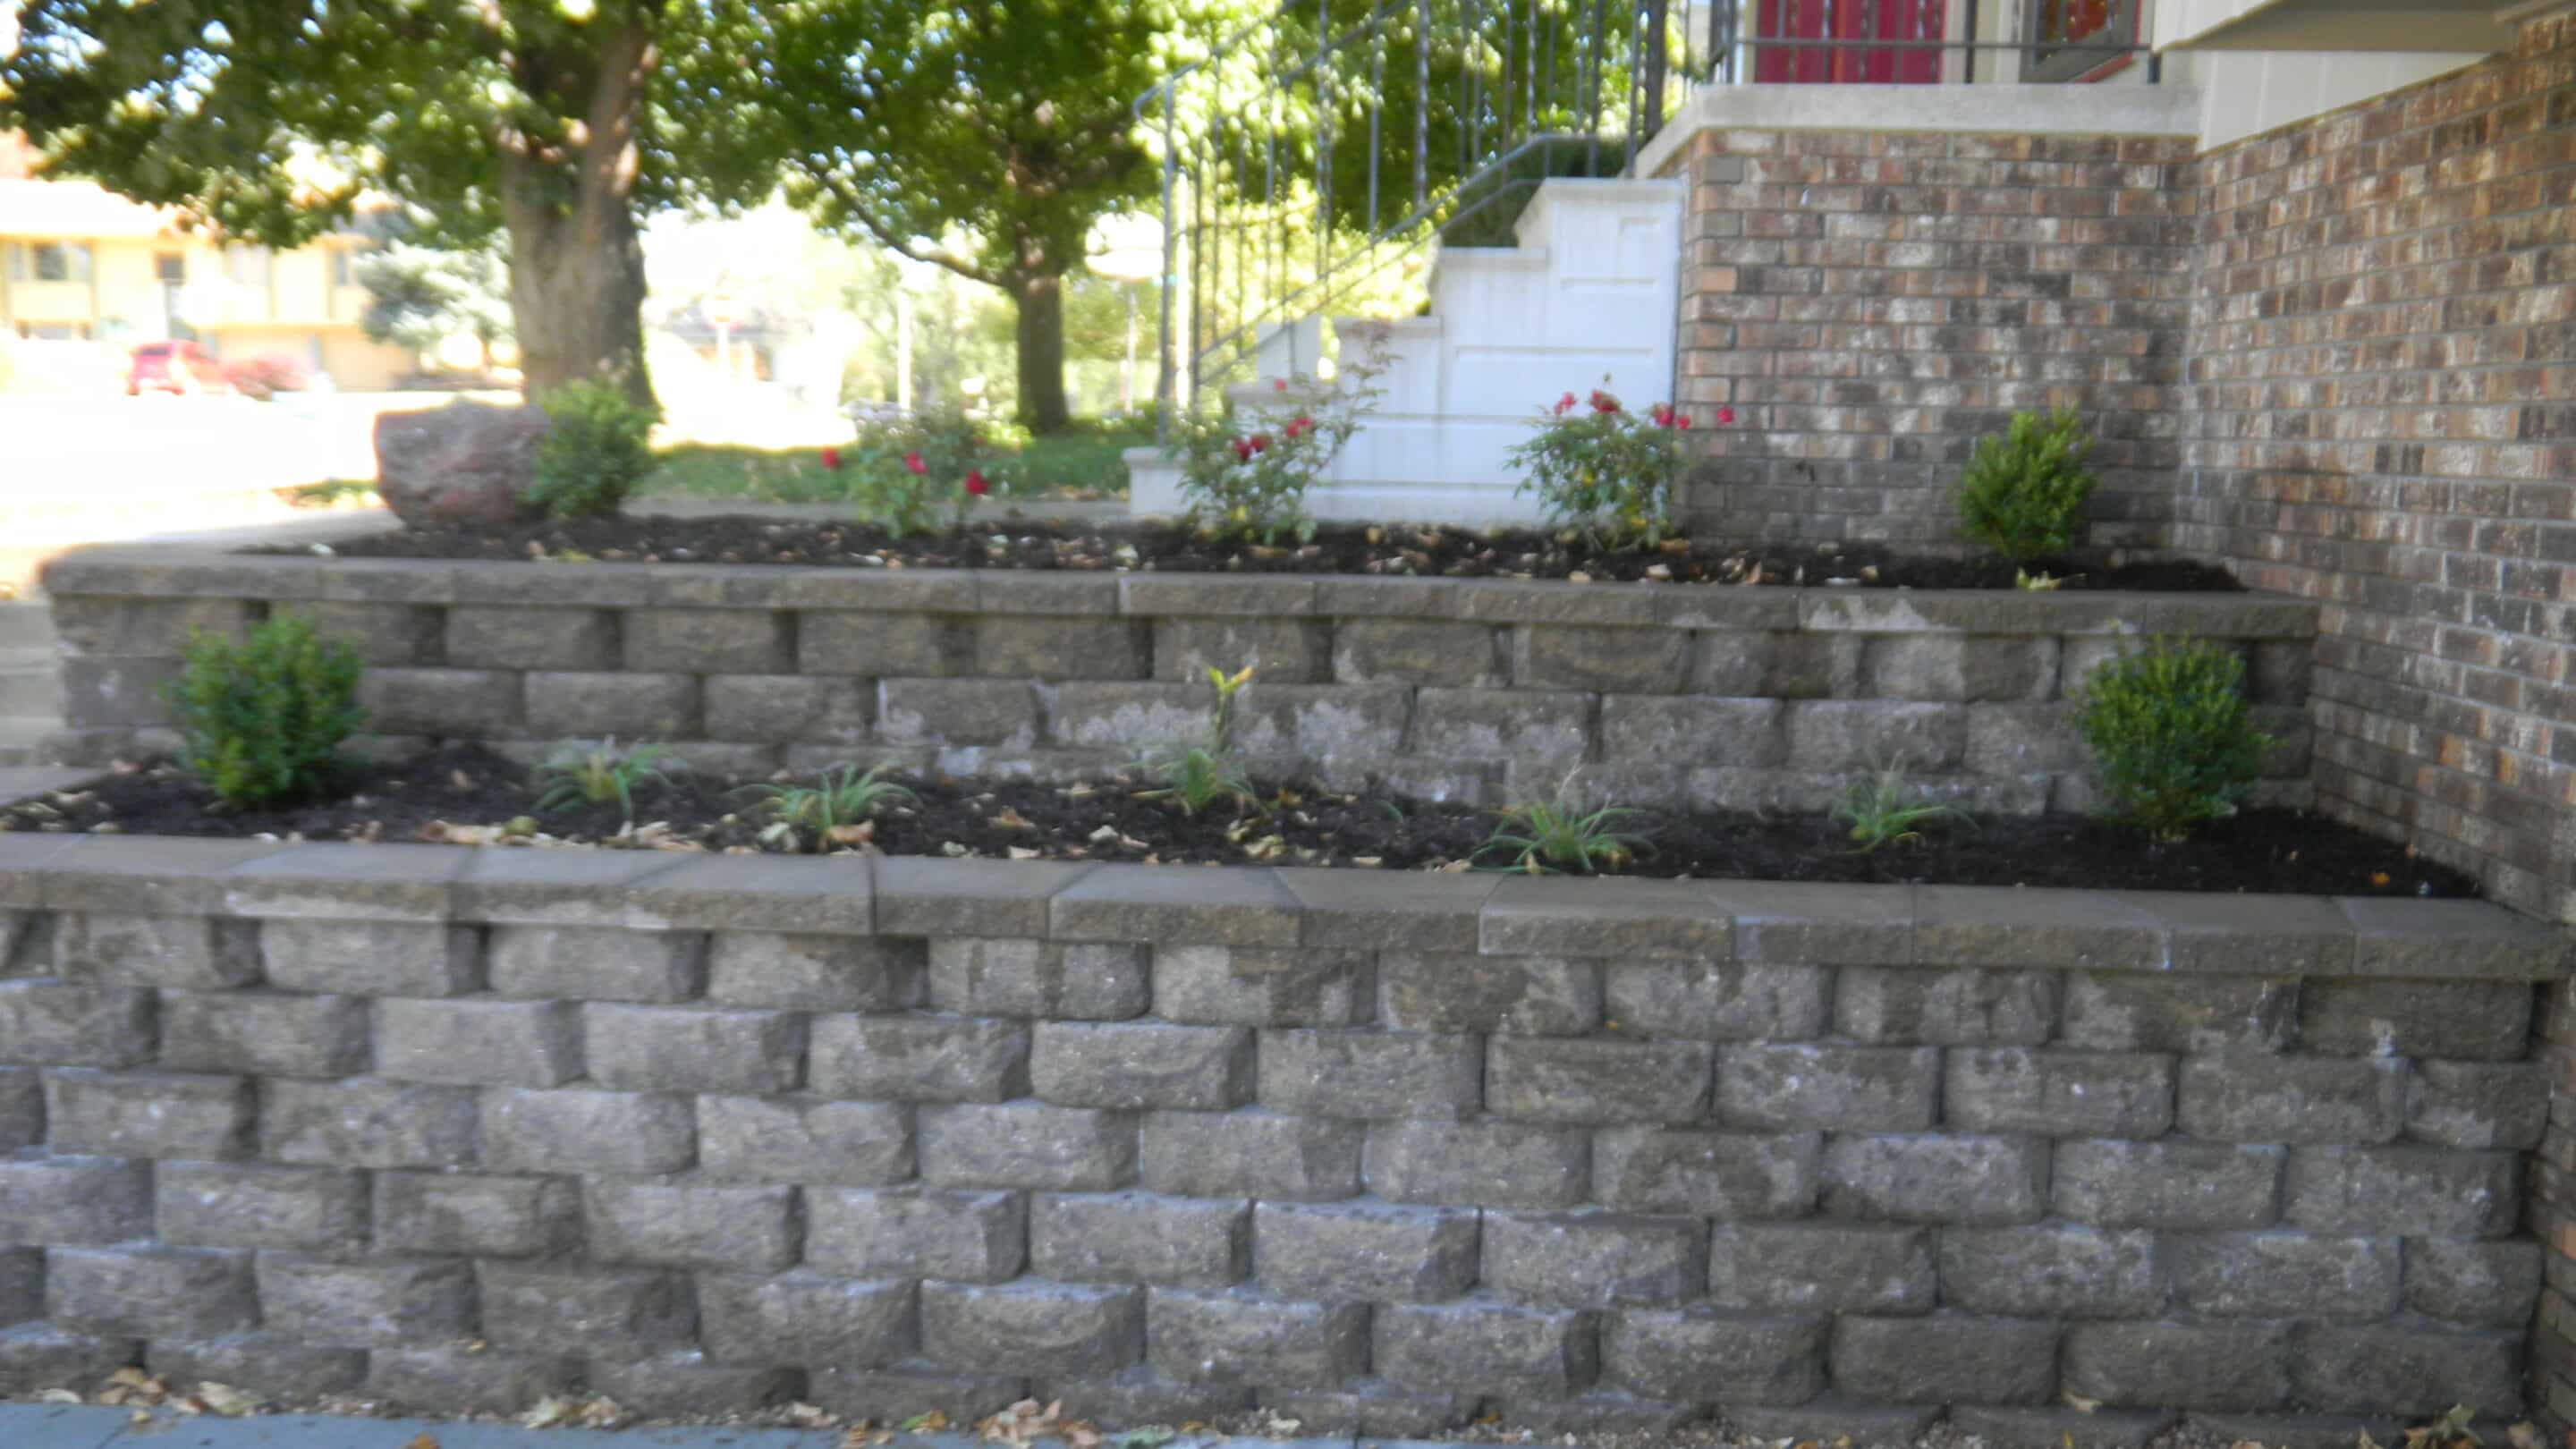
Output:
(1528, 730)
(1713, 1174)
(684, 1225)
(2161, 1365)
(35, 1357)
(904, 1393)
(54, 1023)
(2462, 1020)
(1253, 1154)
(1244, 1337)
(2058, 1094)
(881, 645)
(2477, 1104)
(609, 1313)
(1944, 1179)
(2416, 1191)
(2200, 1015)
(966, 1237)
(1137, 1065)
(1594, 1259)
(471, 1216)
(459, 1381)
(1027, 1144)
(1253, 986)
(789, 709)
(2484, 1285)
(1946, 1008)
(2286, 1275)
(690, 1385)
(1608, 661)
(1544, 1079)
(1835, 1088)
(692, 1049)
(1460, 992)
(188, 953)
(766, 1139)
(1368, 1252)
(1717, 1000)
(586, 1131)
(1482, 1163)
(1823, 1267)
(1694, 729)
(1484, 1348)
(1281, 651)
(2055, 1271)
(1988, 669)
(369, 958)
(918, 1058)
(813, 973)
(999, 713)
(1020, 977)
(2190, 1185)
(1944, 1359)
(707, 641)
(1132, 1237)
(367, 1122)
(146, 1114)
(1369, 1074)
(2246, 1098)
(253, 1205)
(365, 1305)
(1419, 652)
(1848, 735)
(451, 704)
(479, 1043)
(493, 636)
(589, 963)
(149, 1291)
(2403, 1369)
(630, 706)
(1698, 1356)
(263, 1034)
(268, 1364)
(1033, 1327)
(804, 1318)
(1039, 647)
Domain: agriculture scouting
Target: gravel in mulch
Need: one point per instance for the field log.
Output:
(1387, 550)
(466, 794)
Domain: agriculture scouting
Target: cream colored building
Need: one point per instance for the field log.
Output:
(86, 275)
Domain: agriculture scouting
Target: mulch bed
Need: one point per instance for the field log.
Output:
(1389, 550)
(466, 794)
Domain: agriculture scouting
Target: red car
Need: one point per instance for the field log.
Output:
(177, 368)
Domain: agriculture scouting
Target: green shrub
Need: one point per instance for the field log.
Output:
(598, 446)
(261, 720)
(2023, 494)
(919, 472)
(2174, 744)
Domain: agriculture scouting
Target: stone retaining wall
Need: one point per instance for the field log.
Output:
(462, 1129)
(1742, 697)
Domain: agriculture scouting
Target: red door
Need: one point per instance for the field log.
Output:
(1848, 20)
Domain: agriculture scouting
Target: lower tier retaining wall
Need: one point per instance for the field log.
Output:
(1476, 690)
(1382, 1152)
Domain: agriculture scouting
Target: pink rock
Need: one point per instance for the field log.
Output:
(466, 462)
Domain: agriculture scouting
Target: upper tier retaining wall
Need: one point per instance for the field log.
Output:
(1374, 1151)
(1466, 689)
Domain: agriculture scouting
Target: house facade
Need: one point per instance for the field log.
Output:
(86, 275)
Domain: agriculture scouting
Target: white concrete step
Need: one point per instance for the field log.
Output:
(25, 624)
(29, 693)
(19, 738)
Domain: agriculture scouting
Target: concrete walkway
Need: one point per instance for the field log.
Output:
(81, 1426)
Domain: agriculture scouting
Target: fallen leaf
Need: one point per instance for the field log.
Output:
(422, 1442)
(226, 1400)
(2082, 1405)
(549, 1412)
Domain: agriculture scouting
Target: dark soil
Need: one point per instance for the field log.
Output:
(463, 793)
(1394, 550)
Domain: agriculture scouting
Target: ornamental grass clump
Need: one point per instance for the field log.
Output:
(1198, 776)
(261, 721)
(2023, 493)
(2174, 742)
(1605, 472)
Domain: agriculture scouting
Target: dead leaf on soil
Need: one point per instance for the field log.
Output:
(423, 1441)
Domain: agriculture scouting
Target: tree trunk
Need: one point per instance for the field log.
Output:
(1041, 351)
(576, 253)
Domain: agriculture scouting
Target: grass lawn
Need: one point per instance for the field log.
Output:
(1080, 465)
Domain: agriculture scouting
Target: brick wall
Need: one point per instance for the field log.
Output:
(1871, 303)
(1376, 1153)
(1462, 689)
(2382, 416)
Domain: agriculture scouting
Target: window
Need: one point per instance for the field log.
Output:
(171, 268)
(49, 261)
(247, 265)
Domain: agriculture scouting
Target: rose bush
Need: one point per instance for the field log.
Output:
(1605, 471)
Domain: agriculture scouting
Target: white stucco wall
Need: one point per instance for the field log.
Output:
(2247, 92)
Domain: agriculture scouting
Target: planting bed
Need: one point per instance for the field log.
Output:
(464, 792)
(1395, 550)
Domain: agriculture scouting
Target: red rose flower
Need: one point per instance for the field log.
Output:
(1299, 424)
(913, 462)
(1663, 415)
(1682, 421)
(1725, 416)
(832, 459)
(1278, 384)
(975, 483)
(1260, 442)
(1565, 405)
(1603, 402)
(1242, 450)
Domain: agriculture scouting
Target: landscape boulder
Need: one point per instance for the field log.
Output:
(466, 462)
